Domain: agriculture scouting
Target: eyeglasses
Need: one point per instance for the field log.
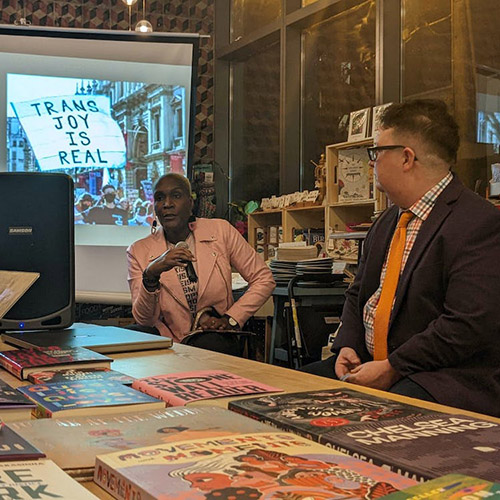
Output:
(374, 151)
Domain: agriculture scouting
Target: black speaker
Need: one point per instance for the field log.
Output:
(37, 235)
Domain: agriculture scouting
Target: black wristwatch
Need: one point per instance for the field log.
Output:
(232, 322)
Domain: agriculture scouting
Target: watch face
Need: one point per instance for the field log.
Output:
(232, 322)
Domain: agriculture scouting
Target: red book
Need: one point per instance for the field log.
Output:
(177, 389)
(22, 362)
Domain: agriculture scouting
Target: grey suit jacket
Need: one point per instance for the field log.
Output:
(444, 331)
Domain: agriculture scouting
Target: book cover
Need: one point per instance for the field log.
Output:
(451, 486)
(354, 176)
(13, 404)
(21, 362)
(15, 447)
(74, 375)
(177, 389)
(28, 480)
(87, 397)
(242, 466)
(425, 447)
(311, 414)
(98, 435)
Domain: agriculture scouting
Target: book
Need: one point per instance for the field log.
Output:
(244, 466)
(425, 447)
(313, 413)
(13, 404)
(177, 389)
(22, 362)
(13, 285)
(87, 397)
(28, 480)
(98, 435)
(72, 375)
(354, 175)
(15, 447)
(456, 486)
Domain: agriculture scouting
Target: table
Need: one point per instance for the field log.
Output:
(184, 358)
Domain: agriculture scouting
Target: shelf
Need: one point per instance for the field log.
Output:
(319, 208)
(361, 203)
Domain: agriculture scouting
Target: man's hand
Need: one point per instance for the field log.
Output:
(374, 374)
(347, 360)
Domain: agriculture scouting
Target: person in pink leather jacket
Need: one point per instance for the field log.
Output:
(166, 294)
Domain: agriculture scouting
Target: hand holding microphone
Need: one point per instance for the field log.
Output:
(191, 273)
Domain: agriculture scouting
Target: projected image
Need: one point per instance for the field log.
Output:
(114, 138)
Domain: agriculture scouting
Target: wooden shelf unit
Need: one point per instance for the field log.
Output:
(333, 215)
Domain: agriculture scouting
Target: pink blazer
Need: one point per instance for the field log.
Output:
(219, 247)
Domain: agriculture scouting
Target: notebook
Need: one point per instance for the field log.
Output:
(103, 339)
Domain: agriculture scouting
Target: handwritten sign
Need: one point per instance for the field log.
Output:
(72, 132)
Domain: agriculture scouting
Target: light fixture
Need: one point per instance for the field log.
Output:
(129, 4)
(144, 26)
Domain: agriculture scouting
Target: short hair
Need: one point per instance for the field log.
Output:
(85, 197)
(183, 181)
(108, 186)
(429, 120)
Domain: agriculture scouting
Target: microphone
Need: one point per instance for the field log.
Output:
(191, 273)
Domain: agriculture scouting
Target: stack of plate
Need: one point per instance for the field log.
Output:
(315, 270)
(283, 271)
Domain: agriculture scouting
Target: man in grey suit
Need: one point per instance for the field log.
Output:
(442, 341)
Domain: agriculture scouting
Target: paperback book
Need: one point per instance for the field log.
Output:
(28, 480)
(98, 435)
(22, 362)
(311, 414)
(87, 397)
(74, 375)
(451, 486)
(13, 404)
(178, 389)
(244, 466)
(15, 447)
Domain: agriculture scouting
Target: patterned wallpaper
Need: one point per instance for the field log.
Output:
(176, 16)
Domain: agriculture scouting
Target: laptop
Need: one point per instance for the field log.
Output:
(103, 339)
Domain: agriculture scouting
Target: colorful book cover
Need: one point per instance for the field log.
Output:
(74, 375)
(451, 486)
(21, 362)
(98, 435)
(177, 389)
(87, 397)
(273, 465)
(28, 480)
(425, 447)
(15, 447)
(311, 414)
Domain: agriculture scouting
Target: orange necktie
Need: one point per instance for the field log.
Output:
(393, 270)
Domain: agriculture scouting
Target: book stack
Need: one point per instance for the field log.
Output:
(22, 362)
(242, 466)
(87, 397)
(98, 435)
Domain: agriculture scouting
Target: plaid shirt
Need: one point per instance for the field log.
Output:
(421, 210)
